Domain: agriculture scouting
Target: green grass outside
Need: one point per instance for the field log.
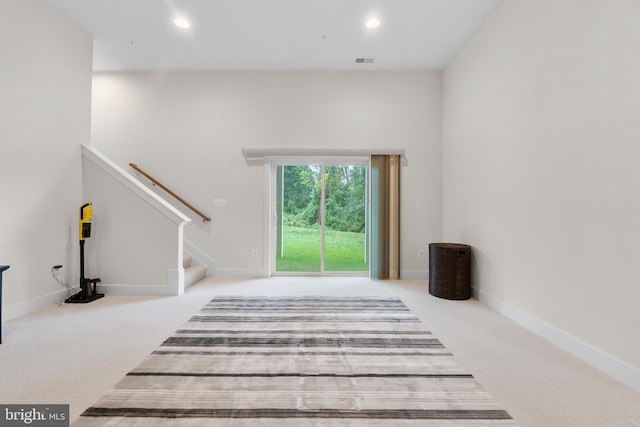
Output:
(344, 251)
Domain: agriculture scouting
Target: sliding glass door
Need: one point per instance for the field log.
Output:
(320, 219)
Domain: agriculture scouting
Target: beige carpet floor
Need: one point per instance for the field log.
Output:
(76, 353)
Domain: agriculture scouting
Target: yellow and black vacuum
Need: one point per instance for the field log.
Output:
(87, 286)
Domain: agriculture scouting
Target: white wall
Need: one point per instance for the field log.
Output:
(541, 173)
(45, 105)
(188, 129)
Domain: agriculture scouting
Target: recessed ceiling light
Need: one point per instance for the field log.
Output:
(181, 22)
(372, 23)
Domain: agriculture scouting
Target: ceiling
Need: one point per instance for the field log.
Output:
(276, 35)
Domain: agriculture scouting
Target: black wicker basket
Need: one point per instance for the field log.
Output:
(450, 270)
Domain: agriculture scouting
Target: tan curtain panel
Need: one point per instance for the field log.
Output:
(385, 217)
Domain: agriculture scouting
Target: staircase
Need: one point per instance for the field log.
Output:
(192, 273)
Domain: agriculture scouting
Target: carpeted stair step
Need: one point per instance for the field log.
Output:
(186, 261)
(192, 273)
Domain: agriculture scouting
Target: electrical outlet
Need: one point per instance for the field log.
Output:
(420, 253)
(254, 252)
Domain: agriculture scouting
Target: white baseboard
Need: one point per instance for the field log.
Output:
(240, 272)
(175, 281)
(21, 309)
(174, 286)
(414, 274)
(35, 304)
(230, 272)
(26, 307)
(136, 290)
(617, 369)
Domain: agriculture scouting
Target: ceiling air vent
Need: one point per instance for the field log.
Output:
(365, 60)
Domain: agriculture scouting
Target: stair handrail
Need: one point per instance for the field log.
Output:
(204, 217)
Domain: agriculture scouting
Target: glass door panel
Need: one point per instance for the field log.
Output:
(345, 218)
(299, 229)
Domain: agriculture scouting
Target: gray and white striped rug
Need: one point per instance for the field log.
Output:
(299, 361)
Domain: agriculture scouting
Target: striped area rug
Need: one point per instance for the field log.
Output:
(298, 361)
